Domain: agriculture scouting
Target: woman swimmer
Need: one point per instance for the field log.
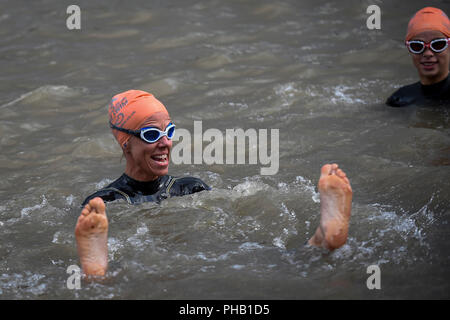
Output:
(427, 40)
(143, 128)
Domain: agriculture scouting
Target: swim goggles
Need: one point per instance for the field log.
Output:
(149, 134)
(437, 45)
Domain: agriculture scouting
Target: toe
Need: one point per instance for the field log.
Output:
(334, 168)
(341, 173)
(86, 210)
(326, 169)
(97, 205)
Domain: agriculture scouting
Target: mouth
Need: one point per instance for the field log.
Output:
(428, 65)
(161, 159)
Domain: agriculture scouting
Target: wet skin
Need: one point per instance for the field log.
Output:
(148, 161)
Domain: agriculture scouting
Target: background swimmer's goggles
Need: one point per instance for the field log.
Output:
(149, 134)
(437, 45)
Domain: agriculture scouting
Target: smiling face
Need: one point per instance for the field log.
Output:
(432, 67)
(148, 161)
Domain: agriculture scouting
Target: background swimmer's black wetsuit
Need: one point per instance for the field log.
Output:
(135, 192)
(418, 93)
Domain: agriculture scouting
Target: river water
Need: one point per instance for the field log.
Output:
(311, 69)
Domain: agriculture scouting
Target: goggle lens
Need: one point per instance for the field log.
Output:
(152, 135)
(416, 47)
(438, 45)
(171, 132)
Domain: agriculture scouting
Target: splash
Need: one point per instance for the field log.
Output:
(25, 212)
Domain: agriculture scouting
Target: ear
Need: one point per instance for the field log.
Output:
(126, 148)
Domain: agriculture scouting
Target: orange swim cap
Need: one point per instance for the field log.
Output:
(428, 19)
(130, 109)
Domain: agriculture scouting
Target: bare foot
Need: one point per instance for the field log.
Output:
(335, 208)
(91, 233)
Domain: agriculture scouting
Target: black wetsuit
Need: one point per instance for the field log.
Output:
(135, 192)
(419, 94)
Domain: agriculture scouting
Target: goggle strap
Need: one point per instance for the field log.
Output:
(135, 133)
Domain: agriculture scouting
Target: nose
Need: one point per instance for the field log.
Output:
(428, 52)
(164, 142)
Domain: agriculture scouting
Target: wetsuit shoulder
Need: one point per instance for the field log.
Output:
(107, 194)
(111, 192)
(186, 185)
(405, 96)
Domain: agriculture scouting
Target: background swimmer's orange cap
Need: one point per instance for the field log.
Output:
(428, 19)
(130, 109)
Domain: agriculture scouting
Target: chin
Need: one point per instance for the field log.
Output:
(161, 172)
(430, 74)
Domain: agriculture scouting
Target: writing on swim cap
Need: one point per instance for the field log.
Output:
(130, 109)
(115, 107)
(428, 19)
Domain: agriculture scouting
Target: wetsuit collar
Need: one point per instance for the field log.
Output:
(146, 187)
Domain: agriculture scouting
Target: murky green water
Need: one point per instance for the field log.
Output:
(311, 69)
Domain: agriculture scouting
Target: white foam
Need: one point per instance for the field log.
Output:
(278, 242)
(249, 188)
(25, 212)
(56, 237)
(202, 256)
(238, 266)
(287, 93)
(341, 95)
(308, 186)
(250, 246)
(114, 245)
(28, 282)
(142, 229)
(289, 214)
(103, 183)
(70, 199)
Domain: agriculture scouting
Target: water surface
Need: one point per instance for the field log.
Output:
(311, 69)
